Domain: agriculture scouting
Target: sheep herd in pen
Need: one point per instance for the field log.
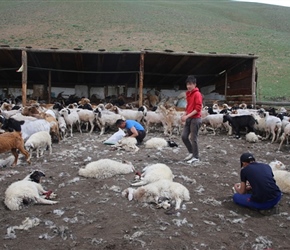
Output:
(34, 127)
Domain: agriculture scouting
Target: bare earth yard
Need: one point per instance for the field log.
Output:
(92, 214)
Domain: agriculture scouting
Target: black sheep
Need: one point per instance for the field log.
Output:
(242, 121)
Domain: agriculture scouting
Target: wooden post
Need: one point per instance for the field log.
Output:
(49, 87)
(24, 77)
(226, 85)
(254, 83)
(141, 78)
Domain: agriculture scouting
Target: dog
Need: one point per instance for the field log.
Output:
(26, 191)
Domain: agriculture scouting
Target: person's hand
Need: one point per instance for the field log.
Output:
(183, 118)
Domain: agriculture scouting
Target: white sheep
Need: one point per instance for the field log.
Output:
(87, 116)
(129, 114)
(252, 137)
(154, 173)
(153, 118)
(128, 144)
(39, 141)
(273, 125)
(277, 165)
(106, 168)
(71, 118)
(26, 191)
(162, 188)
(215, 121)
(282, 179)
(106, 118)
(62, 126)
(159, 143)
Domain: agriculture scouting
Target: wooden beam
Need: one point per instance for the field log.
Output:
(24, 77)
(49, 86)
(141, 79)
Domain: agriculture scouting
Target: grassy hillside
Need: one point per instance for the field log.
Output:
(203, 26)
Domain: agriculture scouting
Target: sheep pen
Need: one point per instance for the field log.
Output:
(92, 214)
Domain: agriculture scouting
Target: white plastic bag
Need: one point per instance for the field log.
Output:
(115, 137)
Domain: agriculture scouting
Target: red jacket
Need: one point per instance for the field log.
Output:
(194, 102)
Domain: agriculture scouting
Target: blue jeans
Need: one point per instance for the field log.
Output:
(190, 135)
(244, 200)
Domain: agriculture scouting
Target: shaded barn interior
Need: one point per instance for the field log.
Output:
(227, 77)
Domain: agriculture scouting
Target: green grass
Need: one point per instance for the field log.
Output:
(203, 26)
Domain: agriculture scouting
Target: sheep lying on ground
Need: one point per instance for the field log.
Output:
(282, 178)
(128, 144)
(154, 173)
(13, 141)
(277, 165)
(252, 137)
(39, 141)
(28, 190)
(154, 191)
(106, 168)
(159, 143)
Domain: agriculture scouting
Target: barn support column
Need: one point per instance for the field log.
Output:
(49, 86)
(254, 84)
(226, 85)
(141, 78)
(24, 77)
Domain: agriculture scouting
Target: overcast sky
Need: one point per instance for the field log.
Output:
(273, 2)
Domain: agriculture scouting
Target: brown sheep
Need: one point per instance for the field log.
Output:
(13, 141)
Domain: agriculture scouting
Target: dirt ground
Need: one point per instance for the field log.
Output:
(92, 214)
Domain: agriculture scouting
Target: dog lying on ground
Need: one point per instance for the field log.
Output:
(26, 191)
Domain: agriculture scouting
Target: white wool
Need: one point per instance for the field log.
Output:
(8, 162)
(24, 190)
(39, 141)
(30, 127)
(162, 188)
(282, 178)
(157, 143)
(252, 137)
(105, 168)
(154, 173)
(128, 144)
(277, 165)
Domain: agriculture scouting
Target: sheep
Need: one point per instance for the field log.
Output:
(128, 144)
(27, 127)
(282, 179)
(159, 143)
(71, 118)
(214, 122)
(155, 190)
(238, 122)
(39, 141)
(62, 127)
(277, 165)
(285, 135)
(252, 137)
(106, 168)
(27, 190)
(87, 116)
(152, 118)
(13, 141)
(273, 125)
(129, 114)
(106, 118)
(153, 173)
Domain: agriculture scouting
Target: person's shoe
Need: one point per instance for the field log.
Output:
(271, 211)
(192, 160)
(188, 157)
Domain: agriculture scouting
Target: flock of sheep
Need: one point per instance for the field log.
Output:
(36, 127)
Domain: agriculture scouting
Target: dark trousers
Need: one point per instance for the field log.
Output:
(141, 135)
(190, 135)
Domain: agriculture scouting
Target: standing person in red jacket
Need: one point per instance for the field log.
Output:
(192, 119)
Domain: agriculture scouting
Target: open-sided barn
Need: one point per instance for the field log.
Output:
(226, 77)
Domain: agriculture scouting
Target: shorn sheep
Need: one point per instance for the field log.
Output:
(106, 168)
(13, 141)
(159, 143)
(154, 173)
(39, 141)
(156, 190)
(282, 178)
(28, 190)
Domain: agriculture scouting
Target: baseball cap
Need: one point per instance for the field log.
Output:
(246, 157)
